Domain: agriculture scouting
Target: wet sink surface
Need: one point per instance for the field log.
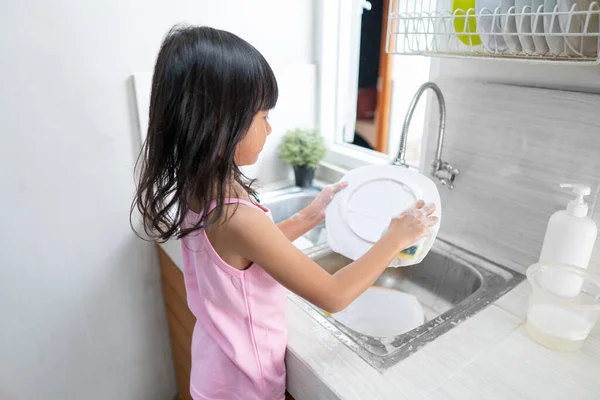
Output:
(451, 284)
(289, 201)
(440, 282)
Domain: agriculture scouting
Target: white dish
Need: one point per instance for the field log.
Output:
(369, 224)
(537, 27)
(381, 312)
(586, 46)
(554, 37)
(523, 20)
(509, 26)
(358, 216)
(489, 27)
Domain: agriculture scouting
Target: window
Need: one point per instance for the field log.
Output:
(365, 92)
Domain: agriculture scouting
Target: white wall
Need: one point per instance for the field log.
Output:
(80, 302)
(296, 108)
(408, 74)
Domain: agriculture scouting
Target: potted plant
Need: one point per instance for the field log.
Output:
(303, 149)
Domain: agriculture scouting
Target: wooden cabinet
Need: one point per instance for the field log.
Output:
(181, 322)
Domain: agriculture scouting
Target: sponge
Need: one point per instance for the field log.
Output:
(409, 253)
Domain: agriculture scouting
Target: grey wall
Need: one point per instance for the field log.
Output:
(514, 146)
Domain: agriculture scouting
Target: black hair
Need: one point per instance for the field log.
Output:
(207, 86)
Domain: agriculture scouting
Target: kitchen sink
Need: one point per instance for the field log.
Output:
(450, 283)
(286, 202)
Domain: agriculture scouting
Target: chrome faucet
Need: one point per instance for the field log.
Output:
(442, 170)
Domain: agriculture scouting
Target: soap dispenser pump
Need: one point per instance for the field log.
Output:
(570, 238)
(577, 207)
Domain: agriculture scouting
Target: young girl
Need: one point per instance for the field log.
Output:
(211, 96)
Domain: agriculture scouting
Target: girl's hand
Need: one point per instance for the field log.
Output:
(302, 222)
(412, 224)
(255, 238)
(316, 210)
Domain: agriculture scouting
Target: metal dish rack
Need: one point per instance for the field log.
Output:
(568, 32)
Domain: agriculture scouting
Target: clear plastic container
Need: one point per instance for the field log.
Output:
(560, 322)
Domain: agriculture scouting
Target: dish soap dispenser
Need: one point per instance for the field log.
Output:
(569, 239)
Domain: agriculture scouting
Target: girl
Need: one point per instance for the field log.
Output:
(209, 108)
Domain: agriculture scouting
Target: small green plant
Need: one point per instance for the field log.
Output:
(302, 148)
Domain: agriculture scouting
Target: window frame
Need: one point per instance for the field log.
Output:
(333, 99)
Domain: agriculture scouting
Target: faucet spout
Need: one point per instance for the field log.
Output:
(441, 169)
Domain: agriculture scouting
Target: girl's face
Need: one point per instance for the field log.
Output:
(252, 144)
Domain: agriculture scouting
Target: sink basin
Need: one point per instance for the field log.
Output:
(289, 201)
(450, 283)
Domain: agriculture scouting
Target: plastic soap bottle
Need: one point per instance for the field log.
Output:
(570, 238)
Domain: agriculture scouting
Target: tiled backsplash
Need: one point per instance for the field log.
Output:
(514, 146)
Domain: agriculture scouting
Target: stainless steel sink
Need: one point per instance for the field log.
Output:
(450, 283)
(286, 202)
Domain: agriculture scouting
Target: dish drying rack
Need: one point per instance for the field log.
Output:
(496, 29)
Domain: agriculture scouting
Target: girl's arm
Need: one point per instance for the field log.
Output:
(256, 238)
(302, 222)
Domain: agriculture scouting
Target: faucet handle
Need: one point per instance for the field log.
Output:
(446, 182)
(445, 173)
(446, 166)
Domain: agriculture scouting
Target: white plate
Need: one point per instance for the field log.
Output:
(537, 26)
(367, 223)
(489, 25)
(509, 26)
(586, 46)
(555, 39)
(381, 312)
(523, 20)
(358, 216)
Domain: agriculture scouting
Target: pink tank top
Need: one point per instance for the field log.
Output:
(240, 336)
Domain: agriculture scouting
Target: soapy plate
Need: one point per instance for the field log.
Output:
(393, 197)
(358, 216)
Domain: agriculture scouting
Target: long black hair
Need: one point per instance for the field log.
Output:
(207, 86)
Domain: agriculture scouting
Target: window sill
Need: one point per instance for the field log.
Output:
(349, 157)
(341, 158)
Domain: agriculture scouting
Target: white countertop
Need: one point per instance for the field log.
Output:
(488, 356)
